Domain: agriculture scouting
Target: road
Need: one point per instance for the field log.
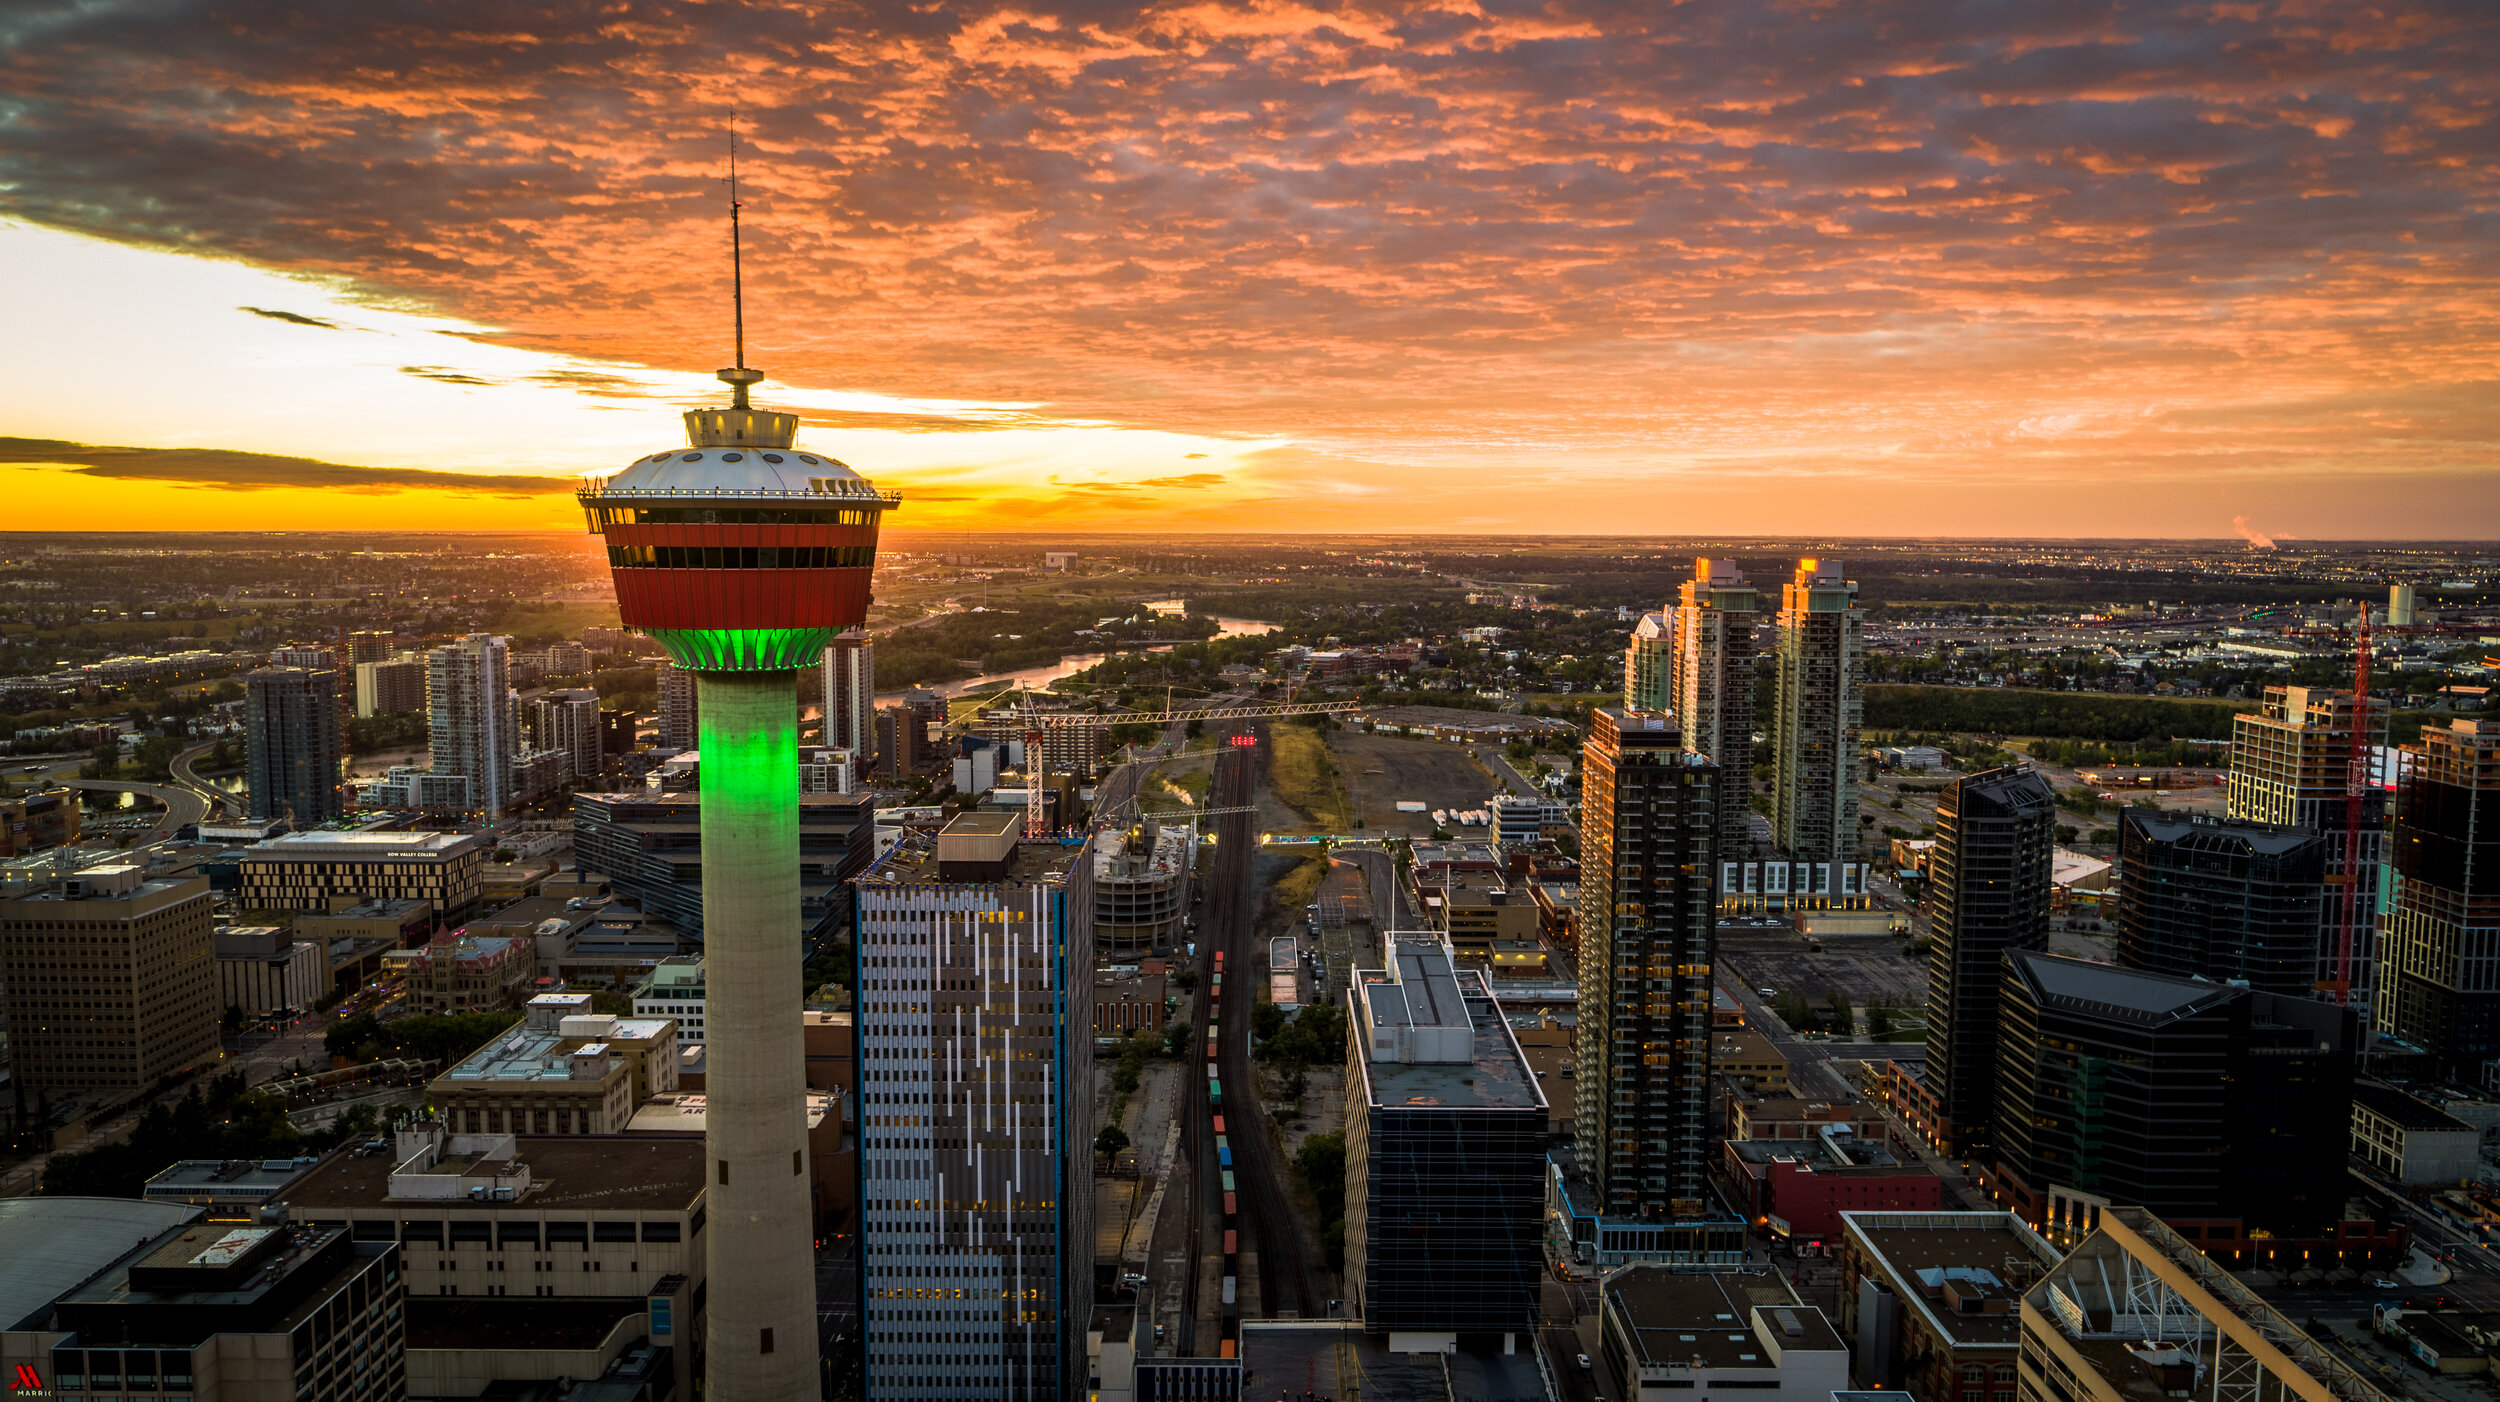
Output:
(1390, 908)
(1493, 759)
(182, 806)
(187, 776)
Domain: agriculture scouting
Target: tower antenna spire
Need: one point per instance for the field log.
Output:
(738, 376)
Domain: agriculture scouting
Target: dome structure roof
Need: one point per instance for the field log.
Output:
(742, 471)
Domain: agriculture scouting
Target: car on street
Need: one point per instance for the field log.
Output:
(2382, 1283)
(1584, 1362)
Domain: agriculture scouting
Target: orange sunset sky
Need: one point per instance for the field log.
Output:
(1766, 267)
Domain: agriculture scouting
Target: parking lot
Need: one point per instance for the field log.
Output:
(1862, 967)
(1380, 770)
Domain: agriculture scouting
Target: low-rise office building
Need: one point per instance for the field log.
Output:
(1670, 1335)
(1930, 1300)
(1445, 1153)
(108, 1298)
(564, 1070)
(2410, 1140)
(263, 971)
(306, 871)
(1129, 998)
(112, 982)
(675, 991)
(1799, 1188)
(528, 1258)
(1749, 1061)
(649, 848)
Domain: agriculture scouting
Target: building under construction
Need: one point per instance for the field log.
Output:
(1141, 888)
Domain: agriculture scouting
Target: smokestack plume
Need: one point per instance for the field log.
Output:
(2256, 538)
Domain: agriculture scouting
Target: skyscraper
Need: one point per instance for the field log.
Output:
(2220, 900)
(2290, 760)
(2192, 1098)
(1649, 664)
(568, 721)
(742, 557)
(468, 706)
(390, 686)
(1445, 1152)
(680, 718)
(1988, 879)
(1814, 733)
(291, 744)
(2440, 987)
(850, 685)
(975, 980)
(1648, 933)
(1712, 685)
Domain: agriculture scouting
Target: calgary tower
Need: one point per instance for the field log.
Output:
(743, 558)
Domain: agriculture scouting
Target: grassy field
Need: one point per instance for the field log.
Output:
(1300, 886)
(1304, 775)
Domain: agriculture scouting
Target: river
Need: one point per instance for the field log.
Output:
(1072, 663)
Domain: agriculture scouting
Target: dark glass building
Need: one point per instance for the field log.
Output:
(2439, 987)
(292, 745)
(1649, 812)
(2221, 900)
(1988, 880)
(2194, 1099)
(1445, 1153)
(650, 847)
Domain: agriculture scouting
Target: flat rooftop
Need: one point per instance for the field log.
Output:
(1916, 1248)
(1337, 1359)
(568, 1172)
(525, 1053)
(1706, 1321)
(49, 1244)
(1431, 995)
(908, 863)
(2406, 1111)
(367, 845)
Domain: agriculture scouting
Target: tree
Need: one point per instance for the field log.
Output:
(1111, 1141)
(1266, 1020)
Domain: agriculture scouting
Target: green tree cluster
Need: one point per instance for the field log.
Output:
(1321, 1162)
(443, 1037)
(228, 1122)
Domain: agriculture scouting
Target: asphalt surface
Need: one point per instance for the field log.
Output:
(182, 806)
(1390, 908)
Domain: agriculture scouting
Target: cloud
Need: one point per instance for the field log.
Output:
(1554, 242)
(244, 472)
(295, 318)
(444, 375)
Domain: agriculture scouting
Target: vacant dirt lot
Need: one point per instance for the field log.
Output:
(1379, 770)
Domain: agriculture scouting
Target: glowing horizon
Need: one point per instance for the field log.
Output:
(2157, 272)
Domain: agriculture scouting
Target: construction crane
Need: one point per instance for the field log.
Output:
(2356, 788)
(1037, 723)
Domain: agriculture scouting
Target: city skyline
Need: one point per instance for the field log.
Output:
(1175, 270)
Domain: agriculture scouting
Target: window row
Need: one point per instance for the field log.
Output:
(741, 557)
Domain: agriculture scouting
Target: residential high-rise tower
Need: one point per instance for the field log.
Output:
(1712, 686)
(742, 557)
(850, 684)
(1988, 881)
(1649, 826)
(292, 748)
(468, 713)
(1649, 664)
(2439, 988)
(1814, 732)
(680, 713)
(2290, 762)
(567, 721)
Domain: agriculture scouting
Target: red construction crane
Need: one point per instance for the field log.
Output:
(2356, 787)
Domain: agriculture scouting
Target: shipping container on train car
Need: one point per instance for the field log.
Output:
(1228, 1204)
(1232, 1243)
(1223, 1154)
(1219, 1125)
(1228, 1182)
